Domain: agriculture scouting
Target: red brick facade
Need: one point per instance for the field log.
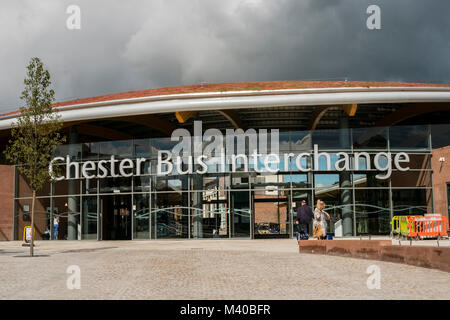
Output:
(441, 176)
(6, 202)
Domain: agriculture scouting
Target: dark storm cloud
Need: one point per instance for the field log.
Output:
(130, 45)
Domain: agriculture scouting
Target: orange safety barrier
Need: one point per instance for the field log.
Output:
(428, 227)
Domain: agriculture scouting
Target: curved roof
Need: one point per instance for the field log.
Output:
(244, 95)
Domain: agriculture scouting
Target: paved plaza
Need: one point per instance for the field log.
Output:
(204, 269)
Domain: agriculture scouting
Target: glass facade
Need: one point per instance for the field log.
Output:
(242, 204)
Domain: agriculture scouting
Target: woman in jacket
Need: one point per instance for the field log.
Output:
(321, 217)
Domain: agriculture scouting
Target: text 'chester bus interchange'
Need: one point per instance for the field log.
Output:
(235, 160)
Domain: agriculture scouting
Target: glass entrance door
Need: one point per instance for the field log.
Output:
(240, 213)
(116, 217)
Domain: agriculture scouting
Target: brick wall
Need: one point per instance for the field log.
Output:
(6, 202)
(441, 176)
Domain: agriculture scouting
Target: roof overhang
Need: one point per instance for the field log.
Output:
(243, 99)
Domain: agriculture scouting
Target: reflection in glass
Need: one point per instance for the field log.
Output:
(411, 201)
(118, 149)
(301, 141)
(322, 181)
(60, 211)
(142, 148)
(89, 186)
(271, 216)
(419, 161)
(330, 139)
(240, 213)
(141, 183)
(369, 180)
(411, 179)
(89, 216)
(116, 217)
(372, 211)
(141, 215)
(171, 210)
(89, 151)
(209, 214)
(418, 137)
(369, 138)
(115, 185)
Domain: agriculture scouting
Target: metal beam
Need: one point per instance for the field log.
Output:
(350, 109)
(319, 112)
(230, 115)
(233, 117)
(183, 116)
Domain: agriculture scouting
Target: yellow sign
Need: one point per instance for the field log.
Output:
(27, 235)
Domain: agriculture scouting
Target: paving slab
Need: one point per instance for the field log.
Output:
(204, 269)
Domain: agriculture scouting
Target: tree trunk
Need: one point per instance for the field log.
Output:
(32, 224)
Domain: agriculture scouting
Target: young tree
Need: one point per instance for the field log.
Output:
(35, 134)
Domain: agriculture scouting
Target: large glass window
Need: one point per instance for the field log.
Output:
(370, 138)
(409, 137)
(245, 203)
(240, 213)
(411, 201)
(369, 180)
(209, 214)
(115, 185)
(67, 209)
(338, 204)
(89, 151)
(61, 213)
(141, 216)
(118, 149)
(89, 216)
(116, 216)
(372, 211)
(326, 182)
(171, 210)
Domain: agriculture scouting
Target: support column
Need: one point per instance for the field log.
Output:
(345, 179)
(72, 201)
(197, 195)
(197, 204)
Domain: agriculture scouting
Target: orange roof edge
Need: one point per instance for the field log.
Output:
(236, 86)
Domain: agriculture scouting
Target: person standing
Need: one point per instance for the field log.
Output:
(55, 227)
(321, 217)
(304, 217)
